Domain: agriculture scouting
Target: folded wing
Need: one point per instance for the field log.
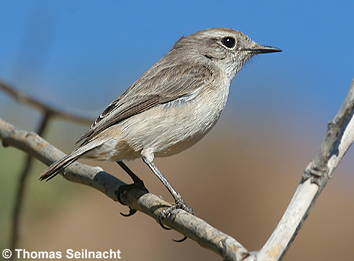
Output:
(159, 85)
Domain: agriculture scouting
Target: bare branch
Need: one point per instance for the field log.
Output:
(339, 137)
(41, 106)
(150, 204)
(48, 112)
(21, 187)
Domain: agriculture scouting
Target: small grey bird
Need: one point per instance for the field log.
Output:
(171, 107)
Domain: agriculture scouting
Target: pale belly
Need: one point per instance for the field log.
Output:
(164, 130)
(170, 129)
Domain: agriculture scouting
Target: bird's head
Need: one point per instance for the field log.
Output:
(227, 48)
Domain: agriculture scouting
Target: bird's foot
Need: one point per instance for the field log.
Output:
(123, 190)
(170, 213)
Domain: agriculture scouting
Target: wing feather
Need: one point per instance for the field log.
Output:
(159, 85)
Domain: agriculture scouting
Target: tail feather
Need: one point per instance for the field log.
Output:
(58, 166)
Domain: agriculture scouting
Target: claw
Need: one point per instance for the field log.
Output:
(162, 225)
(123, 190)
(180, 240)
(168, 228)
(167, 213)
(131, 212)
(170, 213)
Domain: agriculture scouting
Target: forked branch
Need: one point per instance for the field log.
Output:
(23, 98)
(47, 114)
(338, 139)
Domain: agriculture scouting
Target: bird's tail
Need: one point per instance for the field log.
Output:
(58, 166)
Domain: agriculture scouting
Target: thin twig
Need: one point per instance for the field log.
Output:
(150, 204)
(21, 186)
(41, 106)
(339, 137)
(47, 113)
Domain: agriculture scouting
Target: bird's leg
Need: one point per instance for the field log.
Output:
(137, 183)
(131, 174)
(179, 202)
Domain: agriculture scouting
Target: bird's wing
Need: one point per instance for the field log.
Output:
(157, 86)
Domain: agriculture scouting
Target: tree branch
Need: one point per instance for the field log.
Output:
(338, 139)
(150, 204)
(21, 187)
(47, 113)
(41, 106)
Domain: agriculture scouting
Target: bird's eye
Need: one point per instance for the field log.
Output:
(229, 42)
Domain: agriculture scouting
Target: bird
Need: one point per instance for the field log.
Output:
(171, 107)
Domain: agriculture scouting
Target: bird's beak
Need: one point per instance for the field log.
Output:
(262, 49)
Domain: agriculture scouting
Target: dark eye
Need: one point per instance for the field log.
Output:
(229, 42)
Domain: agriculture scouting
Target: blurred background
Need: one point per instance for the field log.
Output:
(80, 55)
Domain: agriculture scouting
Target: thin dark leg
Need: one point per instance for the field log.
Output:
(136, 180)
(131, 174)
(137, 183)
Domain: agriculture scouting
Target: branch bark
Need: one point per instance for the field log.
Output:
(23, 98)
(21, 188)
(150, 204)
(338, 139)
(48, 112)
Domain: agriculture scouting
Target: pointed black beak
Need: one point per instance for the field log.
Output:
(262, 49)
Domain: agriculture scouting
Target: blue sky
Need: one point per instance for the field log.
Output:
(79, 55)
